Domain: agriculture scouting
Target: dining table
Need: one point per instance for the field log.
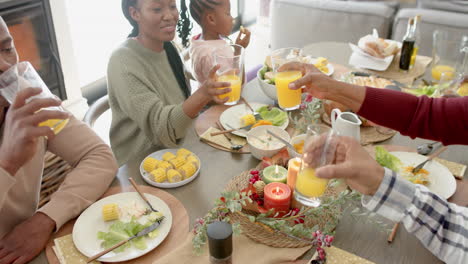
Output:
(352, 234)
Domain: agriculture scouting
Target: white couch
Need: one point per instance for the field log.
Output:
(296, 23)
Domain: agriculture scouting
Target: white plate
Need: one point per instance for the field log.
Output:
(232, 117)
(442, 181)
(330, 67)
(158, 155)
(90, 222)
(361, 59)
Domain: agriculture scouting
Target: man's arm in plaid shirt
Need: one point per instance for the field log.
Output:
(441, 226)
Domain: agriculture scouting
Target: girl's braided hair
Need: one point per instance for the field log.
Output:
(197, 9)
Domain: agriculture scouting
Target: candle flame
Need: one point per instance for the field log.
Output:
(276, 169)
(277, 190)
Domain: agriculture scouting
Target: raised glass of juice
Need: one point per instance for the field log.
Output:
(22, 76)
(319, 150)
(231, 60)
(287, 99)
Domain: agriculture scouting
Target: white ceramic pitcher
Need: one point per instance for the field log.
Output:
(346, 124)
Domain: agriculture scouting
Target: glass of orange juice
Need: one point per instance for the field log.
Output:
(319, 150)
(22, 76)
(231, 60)
(287, 99)
(447, 55)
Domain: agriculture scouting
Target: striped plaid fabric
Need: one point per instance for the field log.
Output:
(441, 226)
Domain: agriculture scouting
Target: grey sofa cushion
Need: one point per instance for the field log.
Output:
(431, 20)
(301, 22)
(460, 6)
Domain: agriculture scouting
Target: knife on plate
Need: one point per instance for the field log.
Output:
(143, 232)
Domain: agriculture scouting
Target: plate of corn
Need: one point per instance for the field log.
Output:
(170, 168)
(118, 217)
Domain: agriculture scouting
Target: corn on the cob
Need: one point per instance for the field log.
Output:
(194, 161)
(183, 153)
(168, 156)
(177, 162)
(150, 164)
(110, 212)
(248, 120)
(165, 165)
(174, 176)
(159, 175)
(188, 170)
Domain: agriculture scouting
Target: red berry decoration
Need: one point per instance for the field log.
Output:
(223, 199)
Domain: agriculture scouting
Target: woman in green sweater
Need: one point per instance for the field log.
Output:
(150, 98)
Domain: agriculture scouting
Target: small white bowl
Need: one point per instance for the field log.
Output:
(295, 140)
(262, 130)
(268, 89)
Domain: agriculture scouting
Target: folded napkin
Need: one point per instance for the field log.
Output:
(67, 253)
(245, 250)
(221, 140)
(457, 169)
(339, 256)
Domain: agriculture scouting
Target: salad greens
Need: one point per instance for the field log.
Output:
(385, 159)
(429, 90)
(119, 231)
(275, 115)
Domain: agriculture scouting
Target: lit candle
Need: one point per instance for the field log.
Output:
(274, 173)
(294, 165)
(277, 196)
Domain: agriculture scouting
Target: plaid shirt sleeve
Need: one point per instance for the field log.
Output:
(441, 226)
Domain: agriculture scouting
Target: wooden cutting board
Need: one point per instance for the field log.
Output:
(179, 229)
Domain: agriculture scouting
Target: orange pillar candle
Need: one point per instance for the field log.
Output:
(294, 165)
(277, 196)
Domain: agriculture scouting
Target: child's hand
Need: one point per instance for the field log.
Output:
(243, 38)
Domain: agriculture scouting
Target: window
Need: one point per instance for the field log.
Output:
(97, 28)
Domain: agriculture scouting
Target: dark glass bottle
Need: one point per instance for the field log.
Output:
(407, 47)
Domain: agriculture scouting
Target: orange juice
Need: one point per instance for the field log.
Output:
(309, 185)
(56, 124)
(236, 84)
(438, 70)
(288, 99)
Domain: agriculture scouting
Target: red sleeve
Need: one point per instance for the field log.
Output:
(440, 119)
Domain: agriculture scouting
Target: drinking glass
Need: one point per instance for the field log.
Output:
(22, 76)
(448, 55)
(287, 99)
(231, 60)
(319, 150)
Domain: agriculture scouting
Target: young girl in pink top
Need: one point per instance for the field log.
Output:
(214, 17)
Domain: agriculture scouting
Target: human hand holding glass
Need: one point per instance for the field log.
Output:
(320, 146)
(231, 61)
(22, 76)
(288, 99)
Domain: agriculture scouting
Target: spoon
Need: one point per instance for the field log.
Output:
(427, 148)
(233, 146)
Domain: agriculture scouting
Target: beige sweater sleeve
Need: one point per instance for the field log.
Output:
(141, 102)
(6, 183)
(94, 168)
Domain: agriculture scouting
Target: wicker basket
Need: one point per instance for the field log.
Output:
(264, 234)
(55, 170)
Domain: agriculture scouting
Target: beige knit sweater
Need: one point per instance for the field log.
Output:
(94, 168)
(146, 102)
